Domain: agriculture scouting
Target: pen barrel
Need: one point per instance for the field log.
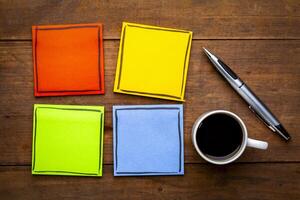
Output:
(257, 106)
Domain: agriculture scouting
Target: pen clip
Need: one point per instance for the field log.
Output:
(262, 119)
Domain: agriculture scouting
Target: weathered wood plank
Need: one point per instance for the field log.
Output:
(201, 181)
(270, 67)
(207, 19)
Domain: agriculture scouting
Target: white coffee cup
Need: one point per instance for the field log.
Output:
(231, 157)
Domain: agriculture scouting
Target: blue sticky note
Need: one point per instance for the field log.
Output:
(148, 140)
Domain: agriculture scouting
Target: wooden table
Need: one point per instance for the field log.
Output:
(259, 39)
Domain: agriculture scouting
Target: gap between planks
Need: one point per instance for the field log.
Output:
(190, 163)
(194, 39)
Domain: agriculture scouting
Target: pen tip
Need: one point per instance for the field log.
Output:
(207, 52)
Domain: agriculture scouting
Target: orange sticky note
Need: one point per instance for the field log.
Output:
(68, 59)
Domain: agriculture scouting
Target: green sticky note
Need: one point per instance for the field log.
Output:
(67, 140)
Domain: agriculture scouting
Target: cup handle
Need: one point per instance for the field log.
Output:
(257, 144)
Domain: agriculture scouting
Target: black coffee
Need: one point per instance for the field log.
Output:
(219, 135)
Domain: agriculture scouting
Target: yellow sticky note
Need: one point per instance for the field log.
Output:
(153, 61)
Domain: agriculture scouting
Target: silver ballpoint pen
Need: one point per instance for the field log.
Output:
(254, 103)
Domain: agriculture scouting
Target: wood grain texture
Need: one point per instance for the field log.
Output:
(201, 181)
(269, 67)
(259, 39)
(215, 19)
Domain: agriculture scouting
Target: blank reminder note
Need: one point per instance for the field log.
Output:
(148, 140)
(68, 59)
(153, 61)
(67, 140)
